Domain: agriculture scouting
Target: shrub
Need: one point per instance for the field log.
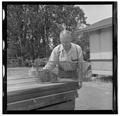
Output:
(40, 62)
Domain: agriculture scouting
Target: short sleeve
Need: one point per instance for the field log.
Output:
(52, 60)
(80, 63)
(80, 54)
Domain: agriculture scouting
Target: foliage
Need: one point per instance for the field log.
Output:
(32, 30)
(40, 62)
(82, 39)
(84, 43)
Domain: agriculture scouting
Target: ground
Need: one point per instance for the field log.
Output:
(94, 95)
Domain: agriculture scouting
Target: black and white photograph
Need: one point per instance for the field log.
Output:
(59, 56)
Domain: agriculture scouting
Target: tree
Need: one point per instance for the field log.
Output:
(33, 29)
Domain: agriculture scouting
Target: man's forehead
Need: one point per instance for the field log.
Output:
(65, 39)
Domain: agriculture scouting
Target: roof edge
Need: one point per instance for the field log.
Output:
(93, 29)
(98, 25)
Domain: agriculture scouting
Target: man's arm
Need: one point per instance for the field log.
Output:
(80, 64)
(52, 60)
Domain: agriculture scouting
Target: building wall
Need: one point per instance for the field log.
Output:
(101, 51)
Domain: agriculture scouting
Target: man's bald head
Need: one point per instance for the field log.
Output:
(65, 39)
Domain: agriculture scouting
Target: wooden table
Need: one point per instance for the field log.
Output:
(27, 93)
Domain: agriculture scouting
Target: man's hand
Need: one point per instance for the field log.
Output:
(46, 75)
(43, 69)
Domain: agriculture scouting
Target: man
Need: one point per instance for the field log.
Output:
(68, 57)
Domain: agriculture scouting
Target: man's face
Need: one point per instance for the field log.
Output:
(65, 42)
(65, 39)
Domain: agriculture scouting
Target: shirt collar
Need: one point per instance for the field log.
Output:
(62, 48)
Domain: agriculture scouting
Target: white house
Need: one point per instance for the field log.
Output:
(100, 42)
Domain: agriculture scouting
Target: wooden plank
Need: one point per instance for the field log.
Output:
(19, 83)
(23, 87)
(69, 105)
(41, 101)
(40, 91)
(22, 80)
(17, 76)
(26, 93)
(26, 86)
